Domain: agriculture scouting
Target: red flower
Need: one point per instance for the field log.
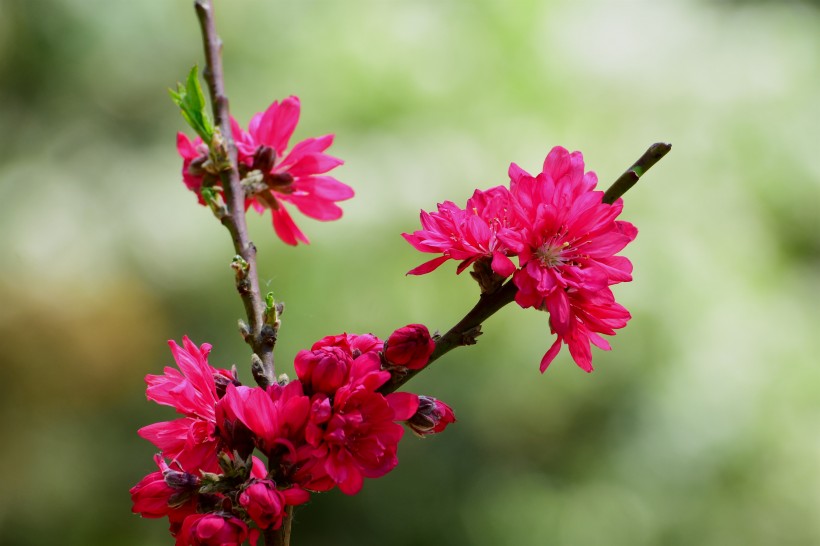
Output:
(465, 234)
(353, 344)
(296, 177)
(410, 346)
(432, 416)
(323, 369)
(355, 435)
(266, 504)
(212, 530)
(191, 390)
(165, 493)
(566, 239)
(276, 417)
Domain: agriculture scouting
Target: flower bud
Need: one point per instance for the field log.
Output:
(212, 530)
(180, 480)
(322, 370)
(432, 417)
(266, 504)
(410, 346)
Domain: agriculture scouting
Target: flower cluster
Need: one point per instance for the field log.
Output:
(564, 237)
(330, 427)
(272, 175)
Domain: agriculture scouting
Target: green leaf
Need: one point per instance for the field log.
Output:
(191, 102)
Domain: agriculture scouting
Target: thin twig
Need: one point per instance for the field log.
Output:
(262, 337)
(463, 333)
(654, 154)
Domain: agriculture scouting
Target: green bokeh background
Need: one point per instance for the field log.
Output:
(701, 426)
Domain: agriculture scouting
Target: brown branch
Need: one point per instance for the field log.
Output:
(261, 336)
(651, 156)
(463, 333)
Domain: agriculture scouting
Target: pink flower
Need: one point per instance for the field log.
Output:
(192, 443)
(212, 530)
(323, 369)
(191, 390)
(465, 234)
(266, 504)
(165, 493)
(194, 157)
(354, 436)
(432, 416)
(153, 495)
(410, 346)
(352, 344)
(276, 417)
(296, 177)
(566, 239)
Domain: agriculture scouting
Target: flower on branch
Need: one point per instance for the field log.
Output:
(431, 417)
(331, 427)
(165, 493)
(191, 390)
(272, 173)
(265, 504)
(410, 347)
(212, 530)
(564, 237)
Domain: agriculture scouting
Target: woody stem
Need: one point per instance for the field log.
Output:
(261, 336)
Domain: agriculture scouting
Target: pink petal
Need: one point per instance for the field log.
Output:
(324, 187)
(427, 267)
(277, 124)
(403, 404)
(550, 354)
(502, 265)
(313, 207)
(286, 229)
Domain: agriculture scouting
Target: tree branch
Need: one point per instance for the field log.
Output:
(654, 154)
(260, 336)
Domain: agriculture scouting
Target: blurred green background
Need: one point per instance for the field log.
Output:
(702, 426)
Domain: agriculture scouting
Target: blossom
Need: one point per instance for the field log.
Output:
(566, 239)
(194, 156)
(212, 530)
(266, 504)
(192, 391)
(465, 234)
(276, 417)
(353, 344)
(410, 346)
(432, 416)
(165, 493)
(355, 435)
(296, 177)
(323, 369)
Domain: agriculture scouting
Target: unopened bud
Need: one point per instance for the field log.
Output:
(410, 347)
(180, 480)
(432, 417)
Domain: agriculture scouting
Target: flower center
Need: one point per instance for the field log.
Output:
(550, 254)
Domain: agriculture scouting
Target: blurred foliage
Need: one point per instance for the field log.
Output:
(700, 427)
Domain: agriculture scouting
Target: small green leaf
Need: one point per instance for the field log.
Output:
(191, 102)
(209, 194)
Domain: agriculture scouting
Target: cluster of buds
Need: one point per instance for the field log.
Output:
(330, 427)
